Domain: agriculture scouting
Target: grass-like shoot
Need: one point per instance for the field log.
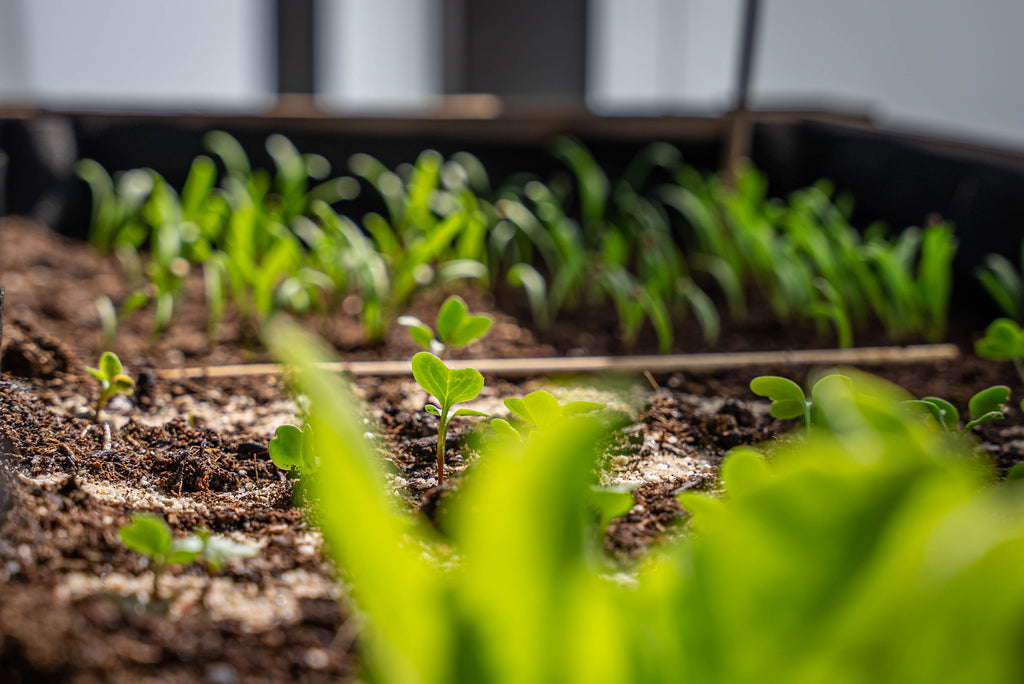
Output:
(449, 386)
(456, 327)
(112, 379)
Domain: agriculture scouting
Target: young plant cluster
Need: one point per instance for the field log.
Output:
(149, 535)
(656, 245)
(870, 550)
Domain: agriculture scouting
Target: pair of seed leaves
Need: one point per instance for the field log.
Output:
(149, 535)
(1003, 341)
(111, 377)
(456, 385)
(789, 401)
(456, 327)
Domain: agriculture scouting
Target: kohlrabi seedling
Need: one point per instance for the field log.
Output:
(292, 449)
(112, 379)
(149, 535)
(541, 409)
(456, 327)
(1003, 341)
(984, 406)
(788, 399)
(449, 386)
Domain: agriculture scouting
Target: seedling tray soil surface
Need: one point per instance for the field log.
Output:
(75, 604)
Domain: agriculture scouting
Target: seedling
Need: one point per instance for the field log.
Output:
(112, 379)
(456, 327)
(449, 386)
(985, 406)
(789, 400)
(149, 535)
(541, 409)
(292, 449)
(1003, 341)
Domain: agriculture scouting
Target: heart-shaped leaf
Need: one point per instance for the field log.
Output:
(1003, 340)
(292, 448)
(450, 386)
(991, 400)
(788, 400)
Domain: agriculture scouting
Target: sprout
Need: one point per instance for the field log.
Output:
(112, 379)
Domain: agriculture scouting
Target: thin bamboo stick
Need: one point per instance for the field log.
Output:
(666, 363)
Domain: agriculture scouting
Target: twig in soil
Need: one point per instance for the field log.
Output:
(650, 379)
(106, 436)
(69, 455)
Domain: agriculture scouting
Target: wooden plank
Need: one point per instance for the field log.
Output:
(667, 363)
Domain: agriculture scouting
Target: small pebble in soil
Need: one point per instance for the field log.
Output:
(317, 658)
(221, 673)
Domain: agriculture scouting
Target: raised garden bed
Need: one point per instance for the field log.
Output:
(191, 441)
(73, 598)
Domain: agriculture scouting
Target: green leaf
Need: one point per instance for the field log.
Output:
(1004, 340)
(184, 550)
(432, 409)
(610, 503)
(575, 408)
(471, 412)
(292, 448)
(1016, 472)
(505, 429)
(419, 331)
(990, 416)
(472, 329)
(448, 385)
(788, 400)
(452, 315)
(147, 534)
(944, 412)
(987, 401)
(98, 374)
(110, 365)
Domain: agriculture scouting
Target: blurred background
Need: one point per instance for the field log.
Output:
(923, 94)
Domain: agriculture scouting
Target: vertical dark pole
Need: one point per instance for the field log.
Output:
(1, 327)
(739, 135)
(295, 48)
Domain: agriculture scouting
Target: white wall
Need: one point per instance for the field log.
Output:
(147, 53)
(651, 56)
(948, 67)
(378, 55)
(945, 66)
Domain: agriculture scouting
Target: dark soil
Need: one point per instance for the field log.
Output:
(76, 605)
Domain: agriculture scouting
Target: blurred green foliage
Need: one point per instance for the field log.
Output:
(876, 549)
(658, 244)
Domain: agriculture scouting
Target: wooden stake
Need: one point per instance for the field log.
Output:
(665, 363)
